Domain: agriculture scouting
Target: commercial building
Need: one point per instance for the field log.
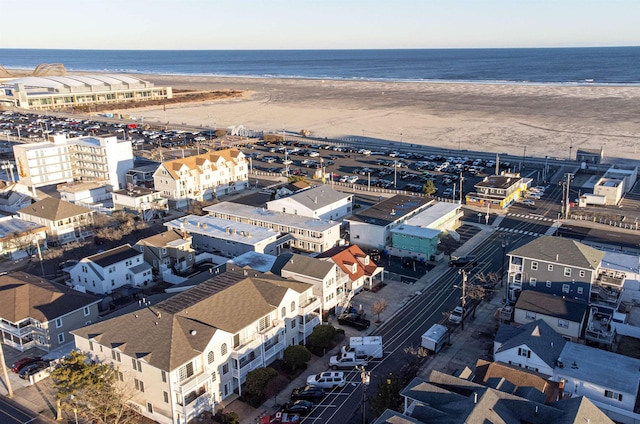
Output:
(307, 234)
(318, 202)
(62, 160)
(65, 92)
(498, 191)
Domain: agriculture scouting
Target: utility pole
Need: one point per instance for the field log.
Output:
(5, 373)
(464, 297)
(364, 378)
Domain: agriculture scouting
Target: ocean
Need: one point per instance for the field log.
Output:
(596, 65)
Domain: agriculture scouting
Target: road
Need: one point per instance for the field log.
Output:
(12, 413)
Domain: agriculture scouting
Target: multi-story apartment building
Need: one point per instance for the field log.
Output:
(202, 177)
(62, 160)
(184, 355)
(307, 234)
(37, 313)
(105, 272)
(65, 221)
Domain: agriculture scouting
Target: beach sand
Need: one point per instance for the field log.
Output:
(547, 119)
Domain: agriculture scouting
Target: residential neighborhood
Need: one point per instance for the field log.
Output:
(194, 276)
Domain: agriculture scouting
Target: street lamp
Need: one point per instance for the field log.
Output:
(364, 378)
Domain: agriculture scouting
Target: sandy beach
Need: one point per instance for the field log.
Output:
(547, 119)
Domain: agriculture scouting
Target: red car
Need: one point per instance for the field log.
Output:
(281, 417)
(21, 363)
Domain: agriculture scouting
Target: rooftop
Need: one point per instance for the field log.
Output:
(53, 209)
(555, 306)
(560, 250)
(222, 229)
(391, 210)
(274, 217)
(498, 181)
(113, 256)
(430, 216)
(314, 198)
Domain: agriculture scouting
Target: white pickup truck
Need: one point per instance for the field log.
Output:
(345, 360)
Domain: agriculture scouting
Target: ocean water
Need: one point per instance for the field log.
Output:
(597, 65)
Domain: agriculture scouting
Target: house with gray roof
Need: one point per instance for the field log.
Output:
(564, 267)
(106, 272)
(65, 221)
(36, 313)
(566, 316)
(318, 202)
(445, 399)
(186, 354)
(322, 274)
(534, 346)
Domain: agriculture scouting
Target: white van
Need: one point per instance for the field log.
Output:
(327, 380)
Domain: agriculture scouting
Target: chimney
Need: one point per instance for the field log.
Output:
(561, 389)
(536, 409)
(475, 397)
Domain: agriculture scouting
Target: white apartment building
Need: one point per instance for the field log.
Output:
(318, 202)
(63, 160)
(202, 177)
(307, 234)
(184, 355)
(106, 272)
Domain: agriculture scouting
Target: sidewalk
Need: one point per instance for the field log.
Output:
(396, 294)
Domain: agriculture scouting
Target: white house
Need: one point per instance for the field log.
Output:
(20, 238)
(147, 202)
(318, 202)
(184, 355)
(202, 177)
(65, 221)
(105, 272)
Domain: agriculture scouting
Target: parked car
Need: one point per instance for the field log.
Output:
(456, 315)
(21, 363)
(309, 392)
(327, 379)
(463, 262)
(354, 320)
(302, 407)
(32, 368)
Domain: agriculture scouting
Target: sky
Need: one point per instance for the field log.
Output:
(317, 24)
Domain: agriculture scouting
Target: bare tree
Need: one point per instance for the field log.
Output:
(24, 240)
(379, 307)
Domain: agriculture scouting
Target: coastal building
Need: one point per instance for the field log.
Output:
(318, 202)
(498, 191)
(19, 238)
(322, 274)
(62, 160)
(106, 272)
(186, 354)
(443, 398)
(141, 175)
(356, 270)
(146, 202)
(228, 238)
(170, 250)
(202, 177)
(305, 234)
(66, 92)
(291, 188)
(14, 196)
(36, 313)
(65, 222)
(85, 192)
(371, 227)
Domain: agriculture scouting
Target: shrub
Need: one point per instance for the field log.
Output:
(296, 357)
(254, 387)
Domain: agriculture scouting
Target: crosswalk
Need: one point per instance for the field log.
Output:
(515, 231)
(530, 216)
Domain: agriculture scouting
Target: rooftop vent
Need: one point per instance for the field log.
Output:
(193, 332)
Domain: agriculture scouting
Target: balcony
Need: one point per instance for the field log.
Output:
(247, 367)
(246, 346)
(310, 322)
(513, 268)
(599, 327)
(193, 382)
(21, 331)
(310, 305)
(273, 350)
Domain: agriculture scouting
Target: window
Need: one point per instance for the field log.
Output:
(565, 288)
(548, 284)
(293, 323)
(86, 311)
(214, 376)
(61, 338)
(293, 306)
(283, 312)
(139, 384)
(115, 355)
(530, 315)
(532, 281)
(164, 376)
(225, 369)
(185, 371)
(90, 345)
(166, 397)
(567, 272)
(210, 357)
(120, 376)
(223, 349)
(524, 352)
(149, 408)
(580, 290)
(549, 267)
(58, 322)
(534, 266)
(137, 365)
(613, 395)
(582, 273)
(264, 323)
(563, 323)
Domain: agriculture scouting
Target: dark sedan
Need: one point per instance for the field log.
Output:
(31, 369)
(302, 407)
(309, 393)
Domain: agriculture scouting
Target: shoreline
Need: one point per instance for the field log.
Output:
(537, 120)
